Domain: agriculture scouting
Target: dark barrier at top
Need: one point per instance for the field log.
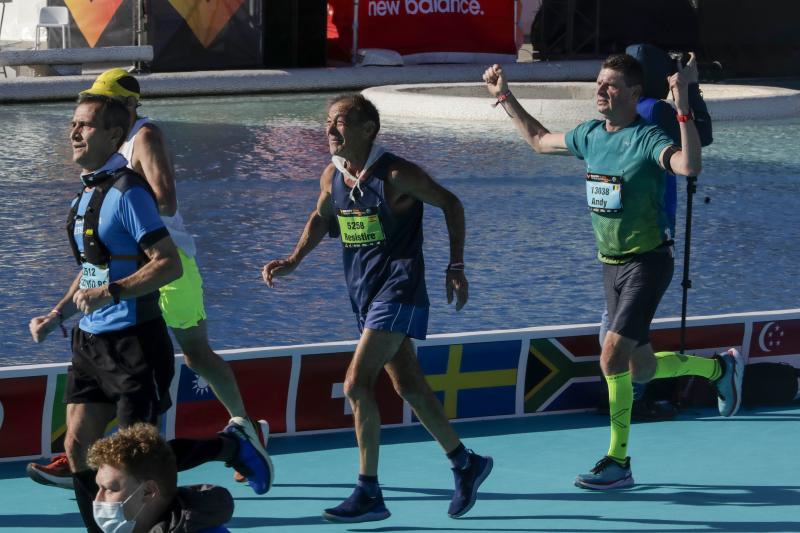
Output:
(204, 34)
(96, 23)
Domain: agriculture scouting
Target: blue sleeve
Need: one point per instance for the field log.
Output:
(665, 117)
(217, 529)
(577, 139)
(138, 213)
(654, 140)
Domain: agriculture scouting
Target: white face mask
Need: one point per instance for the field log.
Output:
(110, 516)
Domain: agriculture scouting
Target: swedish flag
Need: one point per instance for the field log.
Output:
(473, 380)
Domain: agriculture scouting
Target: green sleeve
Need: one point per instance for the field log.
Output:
(654, 140)
(577, 139)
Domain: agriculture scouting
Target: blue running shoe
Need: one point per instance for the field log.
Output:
(467, 482)
(607, 474)
(251, 459)
(729, 384)
(359, 507)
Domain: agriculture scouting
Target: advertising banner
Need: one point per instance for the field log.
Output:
(204, 34)
(427, 30)
(96, 23)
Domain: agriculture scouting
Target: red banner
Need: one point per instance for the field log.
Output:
(775, 337)
(21, 403)
(425, 26)
(321, 403)
(263, 383)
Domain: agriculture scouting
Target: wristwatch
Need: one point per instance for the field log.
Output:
(114, 290)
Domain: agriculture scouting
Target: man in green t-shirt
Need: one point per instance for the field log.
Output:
(625, 161)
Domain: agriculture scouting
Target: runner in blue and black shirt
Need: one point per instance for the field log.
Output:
(373, 201)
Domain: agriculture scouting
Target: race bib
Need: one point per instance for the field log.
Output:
(604, 193)
(93, 276)
(360, 227)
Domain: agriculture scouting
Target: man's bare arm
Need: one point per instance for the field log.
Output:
(162, 267)
(41, 326)
(314, 231)
(151, 159)
(534, 133)
(408, 178)
(688, 160)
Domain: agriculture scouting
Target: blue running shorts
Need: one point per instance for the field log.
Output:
(392, 316)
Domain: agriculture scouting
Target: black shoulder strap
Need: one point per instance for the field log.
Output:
(126, 178)
(94, 251)
(73, 212)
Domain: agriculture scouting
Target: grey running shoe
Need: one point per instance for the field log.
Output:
(607, 474)
(729, 384)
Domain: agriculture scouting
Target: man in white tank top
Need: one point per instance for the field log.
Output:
(181, 301)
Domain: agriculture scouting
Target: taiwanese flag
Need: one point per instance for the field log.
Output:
(321, 403)
(263, 383)
(776, 337)
(473, 380)
(21, 404)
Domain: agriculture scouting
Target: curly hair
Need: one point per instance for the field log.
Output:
(141, 452)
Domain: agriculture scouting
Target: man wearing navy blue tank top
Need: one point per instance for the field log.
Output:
(373, 201)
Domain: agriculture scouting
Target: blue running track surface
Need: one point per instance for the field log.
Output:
(699, 473)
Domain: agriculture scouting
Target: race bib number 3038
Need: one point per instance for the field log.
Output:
(360, 227)
(93, 276)
(604, 193)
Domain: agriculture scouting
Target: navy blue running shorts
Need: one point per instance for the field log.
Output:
(392, 316)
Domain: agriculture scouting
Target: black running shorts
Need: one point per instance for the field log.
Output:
(131, 368)
(633, 291)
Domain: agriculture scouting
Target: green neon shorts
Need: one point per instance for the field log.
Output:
(181, 301)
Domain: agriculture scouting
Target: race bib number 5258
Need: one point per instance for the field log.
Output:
(360, 227)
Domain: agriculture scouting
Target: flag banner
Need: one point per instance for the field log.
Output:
(321, 403)
(21, 408)
(473, 380)
(474, 375)
(263, 384)
(775, 337)
(708, 337)
(550, 372)
(58, 418)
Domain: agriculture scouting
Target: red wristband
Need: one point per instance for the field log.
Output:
(685, 118)
(502, 98)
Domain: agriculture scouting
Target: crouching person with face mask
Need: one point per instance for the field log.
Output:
(137, 479)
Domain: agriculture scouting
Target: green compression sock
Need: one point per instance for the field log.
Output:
(620, 401)
(674, 364)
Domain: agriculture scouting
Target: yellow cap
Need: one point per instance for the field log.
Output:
(116, 82)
